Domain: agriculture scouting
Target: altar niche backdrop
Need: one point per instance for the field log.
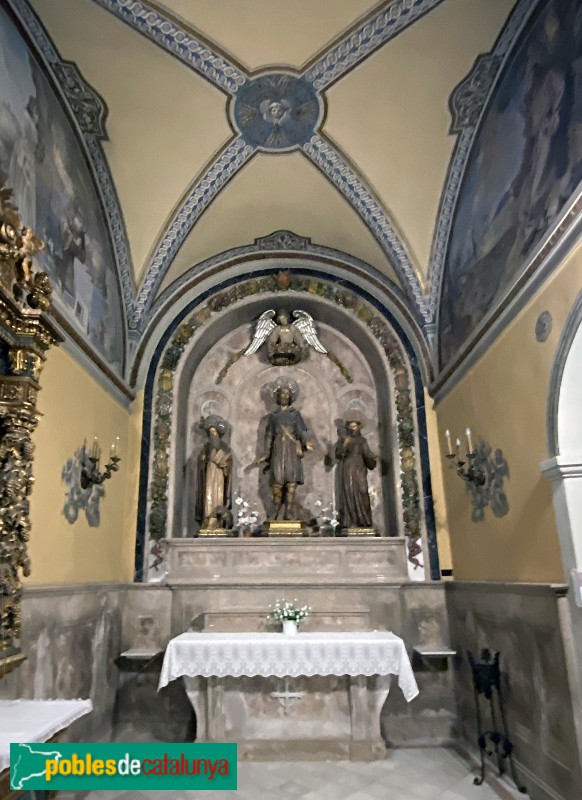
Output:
(325, 398)
(202, 371)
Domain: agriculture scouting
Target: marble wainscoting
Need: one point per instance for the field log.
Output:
(143, 714)
(529, 625)
(71, 638)
(414, 611)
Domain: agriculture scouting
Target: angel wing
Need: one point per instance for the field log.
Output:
(264, 327)
(306, 326)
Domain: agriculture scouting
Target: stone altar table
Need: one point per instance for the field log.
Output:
(312, 696)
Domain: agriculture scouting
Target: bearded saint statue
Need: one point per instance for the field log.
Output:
(355, 459)
(213, 499)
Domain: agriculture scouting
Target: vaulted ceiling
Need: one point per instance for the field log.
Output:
(367, 168)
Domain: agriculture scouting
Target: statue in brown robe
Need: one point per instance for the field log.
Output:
(214, 472)
(355, 459)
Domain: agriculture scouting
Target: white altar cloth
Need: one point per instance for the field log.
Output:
(35, 721)
(276, 654)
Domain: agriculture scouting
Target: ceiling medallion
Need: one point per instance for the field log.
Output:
(276, 111)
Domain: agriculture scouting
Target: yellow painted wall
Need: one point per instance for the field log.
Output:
(503, 399)
(75, 407)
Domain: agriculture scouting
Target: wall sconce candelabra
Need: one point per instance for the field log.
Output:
(466, 469)
(90, 474)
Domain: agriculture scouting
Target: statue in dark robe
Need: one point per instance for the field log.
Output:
(213, 499)
(286, 440)
(355, 459)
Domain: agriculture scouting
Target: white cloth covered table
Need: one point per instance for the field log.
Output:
(35, 721)
(275, 654)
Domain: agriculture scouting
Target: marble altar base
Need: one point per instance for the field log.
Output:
(316, 718)
(286, 560)
(361, 532)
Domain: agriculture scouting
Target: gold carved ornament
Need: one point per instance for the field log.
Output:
(25, 335)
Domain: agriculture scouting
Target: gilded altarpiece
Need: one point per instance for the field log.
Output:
(26, 333)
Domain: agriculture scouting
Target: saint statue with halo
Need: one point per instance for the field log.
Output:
(214, 473)
(286, 440)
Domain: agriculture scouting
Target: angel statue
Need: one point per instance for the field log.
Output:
(285, 340)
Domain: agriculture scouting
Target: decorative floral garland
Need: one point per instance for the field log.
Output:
(284, 281)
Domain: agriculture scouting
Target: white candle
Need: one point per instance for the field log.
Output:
(457, 444)
(95, 448)
(449, 444)
(469, 441)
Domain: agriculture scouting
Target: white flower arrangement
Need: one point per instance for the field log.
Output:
(246, 518)
(283, 610)
(327, 519)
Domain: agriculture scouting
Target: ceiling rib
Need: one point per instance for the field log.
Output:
(335, 167)
(229, 161)
(180, 40)
(357, 45)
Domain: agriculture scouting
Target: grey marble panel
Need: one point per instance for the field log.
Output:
(523, 622)
(71, 637)
(146, 617)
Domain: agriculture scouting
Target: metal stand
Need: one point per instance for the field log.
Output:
(487, 682)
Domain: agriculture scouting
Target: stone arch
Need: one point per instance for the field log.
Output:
(564, 433)
(206, 319)
(564, 471)
(279, 251)
(565, 392)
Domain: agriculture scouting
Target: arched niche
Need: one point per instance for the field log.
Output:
(326, 395)
(169, 437)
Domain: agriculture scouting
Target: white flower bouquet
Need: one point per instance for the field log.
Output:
(284, 610)
(327, 519)
(246, 520)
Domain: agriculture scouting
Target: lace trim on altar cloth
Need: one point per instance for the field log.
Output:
(278, 655)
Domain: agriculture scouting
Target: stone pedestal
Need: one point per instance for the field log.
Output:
(285, 527)
(285, 561)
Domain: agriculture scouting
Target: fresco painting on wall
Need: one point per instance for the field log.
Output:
(525, 164)
(54, 192)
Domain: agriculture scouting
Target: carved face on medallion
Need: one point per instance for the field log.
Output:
(275, 111)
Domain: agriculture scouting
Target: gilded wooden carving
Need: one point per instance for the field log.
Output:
(25, 335)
